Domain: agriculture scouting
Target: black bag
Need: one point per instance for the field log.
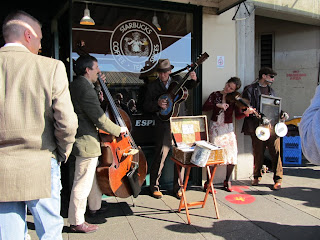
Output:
(134, 182)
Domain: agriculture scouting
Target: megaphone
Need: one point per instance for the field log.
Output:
(263, 132)
(281, 129)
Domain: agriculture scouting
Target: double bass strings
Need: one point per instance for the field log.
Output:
(119, 120)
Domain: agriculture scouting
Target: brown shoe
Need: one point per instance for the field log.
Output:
(277, 186)
(255, 182)
(157, 194)
(84, 228)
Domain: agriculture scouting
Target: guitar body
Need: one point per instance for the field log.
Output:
(174, 101)
(177, 92)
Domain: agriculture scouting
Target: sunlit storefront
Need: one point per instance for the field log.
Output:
(129, 37)
(128, 42)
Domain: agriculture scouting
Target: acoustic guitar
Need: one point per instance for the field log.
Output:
(177, 92)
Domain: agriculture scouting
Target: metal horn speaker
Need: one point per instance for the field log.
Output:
(281, 129)
(263, 133)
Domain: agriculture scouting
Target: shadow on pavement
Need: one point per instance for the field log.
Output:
(309, 196)
(301, 172)
(235, 229)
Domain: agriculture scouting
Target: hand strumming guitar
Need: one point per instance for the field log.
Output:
(163, 103)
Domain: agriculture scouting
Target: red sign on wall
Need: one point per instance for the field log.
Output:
(296, 75)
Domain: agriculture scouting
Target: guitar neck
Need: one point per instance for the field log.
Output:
(193, 67)
(183, 80)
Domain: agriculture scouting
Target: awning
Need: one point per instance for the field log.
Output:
(225, 5)
(123, 78)
(220, 5)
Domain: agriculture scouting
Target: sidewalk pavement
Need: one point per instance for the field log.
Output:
(290, 213)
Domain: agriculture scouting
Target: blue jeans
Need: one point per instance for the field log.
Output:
(45, 211)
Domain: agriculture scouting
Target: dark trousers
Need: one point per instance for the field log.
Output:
(162, 148)
(259, 147)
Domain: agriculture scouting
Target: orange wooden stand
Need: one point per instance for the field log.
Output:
(183, 186)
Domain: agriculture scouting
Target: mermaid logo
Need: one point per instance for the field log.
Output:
(139, 47)
(135, 46)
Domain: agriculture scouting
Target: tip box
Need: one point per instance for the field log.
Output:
(186, 131)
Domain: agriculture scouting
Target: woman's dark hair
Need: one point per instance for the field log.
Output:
(82, 63)
(236, 81)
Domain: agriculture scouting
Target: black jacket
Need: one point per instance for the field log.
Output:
(156, 88)
(252, 93)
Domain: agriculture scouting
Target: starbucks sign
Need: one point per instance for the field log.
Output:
(135, 46)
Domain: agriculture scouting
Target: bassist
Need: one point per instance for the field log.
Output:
(153, 104)
(87, 148)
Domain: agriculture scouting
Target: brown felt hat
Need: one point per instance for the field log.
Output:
(164, 65)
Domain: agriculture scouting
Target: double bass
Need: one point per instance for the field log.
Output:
(123, 166)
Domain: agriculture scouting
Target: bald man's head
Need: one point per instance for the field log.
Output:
(21, 27)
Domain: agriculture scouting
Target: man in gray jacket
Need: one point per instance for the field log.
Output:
(87, 145)
(37, 130)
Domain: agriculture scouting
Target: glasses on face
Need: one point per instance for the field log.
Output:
(271, 76)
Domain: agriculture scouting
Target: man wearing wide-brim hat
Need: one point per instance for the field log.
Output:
(153, 104)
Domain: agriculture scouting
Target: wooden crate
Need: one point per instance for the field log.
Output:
(186, 131)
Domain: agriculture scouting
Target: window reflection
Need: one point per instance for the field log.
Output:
(128, 47)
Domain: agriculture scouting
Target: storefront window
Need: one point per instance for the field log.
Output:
(128, 42)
